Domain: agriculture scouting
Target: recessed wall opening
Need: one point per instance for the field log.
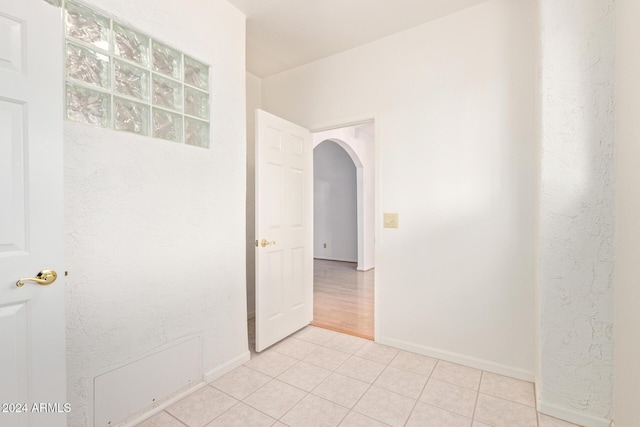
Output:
(344, 189)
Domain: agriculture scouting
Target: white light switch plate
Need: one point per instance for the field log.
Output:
(390, 220)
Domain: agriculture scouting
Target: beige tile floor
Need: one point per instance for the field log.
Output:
(319, 377)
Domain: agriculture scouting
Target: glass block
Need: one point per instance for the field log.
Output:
(88, 106)
(167, 125)
(167, 93)
(166, 60)
(87, 66)
(131, 80)
(131, 116)
(196, 132)
(196, 103)
(130, 44)
(196, 73)
(86, 25)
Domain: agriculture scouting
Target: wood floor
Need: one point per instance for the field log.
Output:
(343, 298)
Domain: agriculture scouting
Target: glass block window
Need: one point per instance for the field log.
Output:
(56, 3)
(119, 78)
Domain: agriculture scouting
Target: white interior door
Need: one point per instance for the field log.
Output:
(284, 229)
(32, 334)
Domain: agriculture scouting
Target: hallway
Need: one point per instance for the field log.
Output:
(343, 298)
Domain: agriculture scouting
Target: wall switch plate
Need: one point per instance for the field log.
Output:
(390, 220)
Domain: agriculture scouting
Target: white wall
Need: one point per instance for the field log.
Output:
(254, 101)
(359, 141)
(335, 207)
(155, 231)
(576, 210)
(627, 267)
(455, 106)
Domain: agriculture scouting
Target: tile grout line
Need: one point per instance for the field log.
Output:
(223, 412)
(535, 404)
(290, 409)
(370, 385)
(334, 371)
(433, 405)
(447, 381)
(421, 391)
(175, 418)
(307, 393)
(346, 376)
(475, 405)
(259, 410)
(386, 365)
(230, 408)
(507, 400)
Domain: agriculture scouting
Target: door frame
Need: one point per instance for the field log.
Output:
(352, 121)
(320, 127)
(360, 215)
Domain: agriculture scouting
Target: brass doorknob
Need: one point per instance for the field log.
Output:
(264, 243)
(44, 277)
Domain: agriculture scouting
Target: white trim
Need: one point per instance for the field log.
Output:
(227, 367)
(473, 362)
(352, 120)
(325, 258)
(91, 402)
(376, 235)
(349, 121)
(134, 420)
(162, 405)
(572, 416)
(371, 267)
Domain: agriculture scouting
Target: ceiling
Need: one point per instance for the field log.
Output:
(283, 34)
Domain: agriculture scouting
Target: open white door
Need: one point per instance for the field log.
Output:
(284, 229)
(32, 325)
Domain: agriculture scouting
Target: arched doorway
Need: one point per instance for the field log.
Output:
(335, 202)
(343, 230)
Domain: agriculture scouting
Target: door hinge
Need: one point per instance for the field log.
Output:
(256, 243)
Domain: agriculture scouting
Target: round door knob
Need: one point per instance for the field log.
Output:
(264, 243)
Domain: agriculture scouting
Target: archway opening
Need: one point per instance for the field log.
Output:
(344, 205)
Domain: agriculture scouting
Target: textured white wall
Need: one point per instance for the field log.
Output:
(576, 212)
(455, 108)
(626, 396)
(335, 207)
(359, 142)
(254, 101)
(155, 231)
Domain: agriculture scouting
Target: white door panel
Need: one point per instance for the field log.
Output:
(284, 219)
(13, 233)
(32, 335)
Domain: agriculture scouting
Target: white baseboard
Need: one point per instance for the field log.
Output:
(366, 268)
(572, 416)
(324, 258)
(461, 359)
(159, 406)
(162, 405)
(227, 367)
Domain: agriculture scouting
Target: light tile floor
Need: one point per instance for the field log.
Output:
(319, 377)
